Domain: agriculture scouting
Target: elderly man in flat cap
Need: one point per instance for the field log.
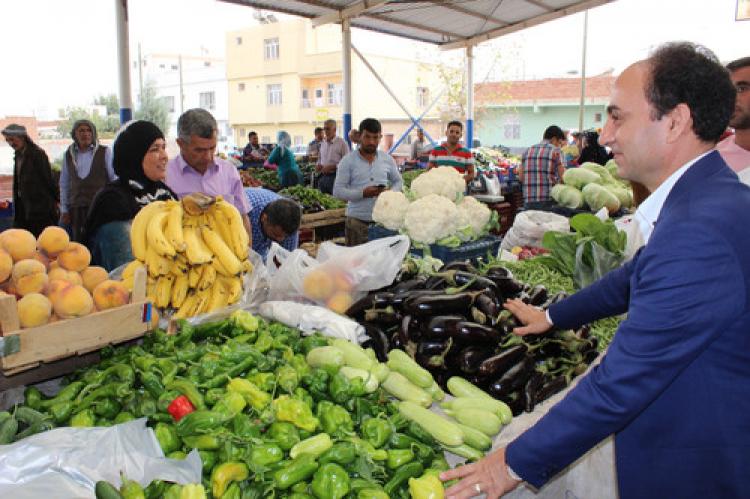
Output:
(34, 192)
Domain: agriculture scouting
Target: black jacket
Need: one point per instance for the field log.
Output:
(35, 195)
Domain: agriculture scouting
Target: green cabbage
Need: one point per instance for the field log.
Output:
(568, 196)
(599, 170)
(579, 177)
(624, 194)
(598, 197)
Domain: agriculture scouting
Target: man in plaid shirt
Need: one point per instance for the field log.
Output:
(542, 166)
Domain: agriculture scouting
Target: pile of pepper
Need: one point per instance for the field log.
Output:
(312, 200)
(453, 323)
(265, 422)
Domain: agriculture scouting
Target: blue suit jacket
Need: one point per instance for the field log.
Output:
(674, 386)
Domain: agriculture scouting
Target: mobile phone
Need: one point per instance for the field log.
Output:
(380, 186)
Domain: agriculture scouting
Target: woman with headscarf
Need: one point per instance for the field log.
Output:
(140, 162)
(592, 151)
(288, 172)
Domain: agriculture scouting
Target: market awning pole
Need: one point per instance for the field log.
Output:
(387, 88)
(583, 71)
(470, 97)
(416, 124)
(123, 60)
(346, 53)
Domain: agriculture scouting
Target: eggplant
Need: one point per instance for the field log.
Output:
(556, 298)
(372, 300)
(530, 390)
(409, 285)
(550, 388)
(498, 364)
(480, 381)
(436, 282)
(469, 359)
(584, 331)
(383, 316)
(507, 286)
(470, 332)
(377, 340)
(434, 352)
(590, 356)
(537, 295)
(439, 304)
(396, 341)
(513, 379)
(464, 265)
(404, 330)
(399, 298)
(498, 273)
(488, 304)
(440, 327)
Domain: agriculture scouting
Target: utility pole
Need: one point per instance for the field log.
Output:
(583, 71)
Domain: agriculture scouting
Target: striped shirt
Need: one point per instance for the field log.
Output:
(460, 158)
(539, 164)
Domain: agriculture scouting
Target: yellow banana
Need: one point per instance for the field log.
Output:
(196, 251)
(151, 290)
(222, 252)
(139, 226)
(179, 267)
(155, 234)
(220, 270)
(128, 282)
(234, 288)
(208, 277)
(219, 298)
(129, 270)
(247, 266)
(239, 239)
(187, 308)
(203, 299)
(163, 290)
(219, 224)
(156, 264)
(179, 290)
(194, 276)
(173, 231)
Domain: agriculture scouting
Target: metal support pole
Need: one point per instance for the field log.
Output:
(140, 76)
(346, 53)
(583, 71)
(182, 93)
(470, 97)
(415, 124)
(123, 60)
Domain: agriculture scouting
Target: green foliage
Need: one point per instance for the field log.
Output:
(153, 108)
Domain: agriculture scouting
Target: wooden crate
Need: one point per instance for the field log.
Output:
(70, 337)
(323, 218)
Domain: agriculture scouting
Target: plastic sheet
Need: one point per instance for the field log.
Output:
(311, 318)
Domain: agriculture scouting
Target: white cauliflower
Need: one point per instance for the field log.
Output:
(390, 209)
(443, 181)
(431, 218)
(473, 213)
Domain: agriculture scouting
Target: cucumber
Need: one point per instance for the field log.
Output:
(105, 490)
(484, 421)
(499, 408)
(475, 438)
(442, 430)
(403, 389)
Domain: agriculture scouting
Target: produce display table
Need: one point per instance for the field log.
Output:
(328, 220)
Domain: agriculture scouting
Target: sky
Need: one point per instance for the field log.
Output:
(60, 53)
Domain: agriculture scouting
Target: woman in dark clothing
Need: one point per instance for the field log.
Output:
(140, 162)
(592, 152)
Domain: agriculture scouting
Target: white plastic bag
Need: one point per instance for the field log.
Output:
(311, 318)
(67, 462)
(529, 228)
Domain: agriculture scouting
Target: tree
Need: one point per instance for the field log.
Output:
(153, 108)
(106, 126)
(110, 102)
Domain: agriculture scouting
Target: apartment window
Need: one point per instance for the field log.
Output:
(175, 67)
(306, 98)
(335, 94)
(298, 140)
(318, 97)
(169, 101)
(597, 117)
(207, 100)
(162, 66)
(271, 48)
(207, 64)
(241, 87)
(512, 127)
(273, 93)
(238, 40)
(423, 96)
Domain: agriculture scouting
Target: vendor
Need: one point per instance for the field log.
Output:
(286, 166)
(419, 147)
(140, 163)
(274, 219)
(452, 153)
(253, 154)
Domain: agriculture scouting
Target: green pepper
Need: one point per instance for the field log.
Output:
(402, 475)
(372, 494)
(199, 422)
(300, 469)
(85, 418)
(284, 434)
(399, 457)
(188, 389)
(264, 341)
(428, 486)
(178, 454)
(166, 398)
(152, 384)
(193, 491)
(365, 447)
(313, 341)
(145, 406)
(299, 495)
(303, 395)
(130, 489)
(107, 408)
(208, 458)
(229, 451)
(334, 419)
(123, 417)
(122, 372)
(233, 492)
(243, 427)
(341, 388)
(166, 434)
(265, 454)
(67, 394)
(316, 382)
(245, 320)
(174, 491)
(117, 391)
(357, 484)
(287, 378)
(32, 397)
(61, 412)
(416, 431)
(202, 442)
(377, 431)
(254, 396)
(156, 489)
(231, 404)
(315, 446)
(361, 409)
(264, 381)
(331, 481)
(295, 412)
(439, 463)
(341, 453)
(226, 473)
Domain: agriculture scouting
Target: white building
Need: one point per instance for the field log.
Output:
(200, 79)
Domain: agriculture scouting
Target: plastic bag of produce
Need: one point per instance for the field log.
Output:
(312, 318)
(339, 276)
(529, 228)
(67, 462)
(567, 195)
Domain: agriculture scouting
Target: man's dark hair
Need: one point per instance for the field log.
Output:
(738, 64)
(371, 125)
(284, 213)
(690, 74)
(456, 123)
(251, 134)
(554, 132)
(318, 129)
(198, 122)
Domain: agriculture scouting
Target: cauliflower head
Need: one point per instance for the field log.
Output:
(474, 214)
(390, 209)
(431, 218)
(443, 181)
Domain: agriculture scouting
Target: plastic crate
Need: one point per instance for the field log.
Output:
(468, 251)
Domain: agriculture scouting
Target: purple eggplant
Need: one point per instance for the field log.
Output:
(507, 286)
(441, 326)
(470, 358)
(377, 340)
(537, 295)
(498, 273)
(440, 304)
(396, 341)
(400, 298)
(383, 316)
(530, 390)
(513, 379)
(409, 285)
(464, 265)
(470, 332)
(373, 300)
(550, 388)
(499, 364)
(488, 304)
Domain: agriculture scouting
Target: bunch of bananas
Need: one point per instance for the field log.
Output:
(195, 251)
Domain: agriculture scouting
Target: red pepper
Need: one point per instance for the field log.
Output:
(180, 407)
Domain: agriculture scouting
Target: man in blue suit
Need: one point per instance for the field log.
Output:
(674, 386)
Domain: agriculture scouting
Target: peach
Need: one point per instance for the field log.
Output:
(75, 256)
(93, 276)
(342, 281)
(29, 276)
(34, 310)
(42, 258)
(72, 301)
(53, 265)
(60, 274)
(55, 286)
(317, 285)
(110, 294)
(6, 265)
(340, 302)
(19, 243)
(53, 240)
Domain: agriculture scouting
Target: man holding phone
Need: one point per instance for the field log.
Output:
(362, 175)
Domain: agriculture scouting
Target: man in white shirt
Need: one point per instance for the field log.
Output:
(332, 149)
(735, 149)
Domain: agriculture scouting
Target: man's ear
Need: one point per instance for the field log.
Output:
(680, 122)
